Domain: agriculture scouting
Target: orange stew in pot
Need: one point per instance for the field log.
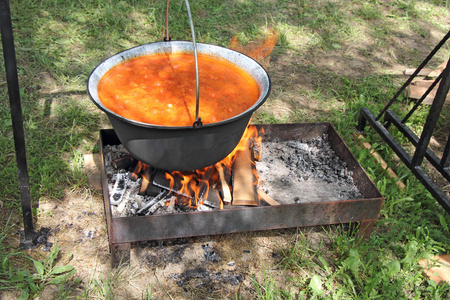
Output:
(160, 89)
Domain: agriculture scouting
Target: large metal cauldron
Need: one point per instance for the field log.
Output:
(187, 147)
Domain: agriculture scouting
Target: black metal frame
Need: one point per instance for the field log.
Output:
(17, 121)
(421, 144)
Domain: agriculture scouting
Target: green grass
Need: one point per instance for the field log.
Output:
(30, 278)
(58, 44)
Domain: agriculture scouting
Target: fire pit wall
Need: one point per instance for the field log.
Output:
(126, 230)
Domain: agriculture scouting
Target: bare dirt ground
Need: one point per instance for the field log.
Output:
(210, 267)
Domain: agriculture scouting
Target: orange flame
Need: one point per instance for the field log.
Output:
(192, 186)
(258, 50)
(250, 134)
(195, 185)
(140, 167)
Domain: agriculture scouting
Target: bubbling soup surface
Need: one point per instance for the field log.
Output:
(160, 89)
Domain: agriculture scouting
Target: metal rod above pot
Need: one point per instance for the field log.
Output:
(198, 120)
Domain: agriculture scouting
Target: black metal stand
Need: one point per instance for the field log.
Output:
(17, 121)
(421, 144)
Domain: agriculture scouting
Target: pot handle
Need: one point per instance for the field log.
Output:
(198, 120)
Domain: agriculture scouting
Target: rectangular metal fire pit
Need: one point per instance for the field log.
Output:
(124, 231)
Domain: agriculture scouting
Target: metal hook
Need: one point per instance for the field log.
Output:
(198, 122)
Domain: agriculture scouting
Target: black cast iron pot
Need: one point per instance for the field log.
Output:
(187, 147)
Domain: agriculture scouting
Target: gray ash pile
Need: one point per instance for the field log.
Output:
(290, 172)
(136, 189)
(305, 171)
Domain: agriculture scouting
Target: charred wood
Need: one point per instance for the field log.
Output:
(213, 200)
(152, 202)
(124, 162)
(157, 205)
(257, 150)
(136, 172)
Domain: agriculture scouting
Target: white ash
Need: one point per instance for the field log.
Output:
(110, 153)
(305, 171)
(124, 194)
(131, 203)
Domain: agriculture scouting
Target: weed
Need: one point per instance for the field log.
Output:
(269, 290)
(147, 295)
(22, 279)
(107, 286)
(266, 118)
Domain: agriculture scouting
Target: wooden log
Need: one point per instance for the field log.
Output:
(269, 200)
(257, 150)
(158, 205)
(422, 82)
(202, 192)
(213, 199)
(417, 91)
(380, 160)
(437, 268)
(153, 190)
(160, 181)
(118, 189)
(153, 201)
(136, 172)
(145, 180)
(436, 72)
(208, 174)
(244, 190)
(423, 72)
(226, 193)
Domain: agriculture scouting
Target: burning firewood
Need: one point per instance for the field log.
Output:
(243, 179)
(204, 207)
(257, 150)
(146, 178)
(213, 200)
(152, 202)
(136, 172)
(157, 205)
(224, 185)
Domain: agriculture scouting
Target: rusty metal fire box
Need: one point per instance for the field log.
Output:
(126, 230)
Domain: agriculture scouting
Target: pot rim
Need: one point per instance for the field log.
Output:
(120, 57)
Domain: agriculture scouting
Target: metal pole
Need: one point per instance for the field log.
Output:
(419, 102)
(432, 118)
(445, 161)
(16, 115)
(198, 120)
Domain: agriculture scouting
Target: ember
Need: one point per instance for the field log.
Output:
(287, 172)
